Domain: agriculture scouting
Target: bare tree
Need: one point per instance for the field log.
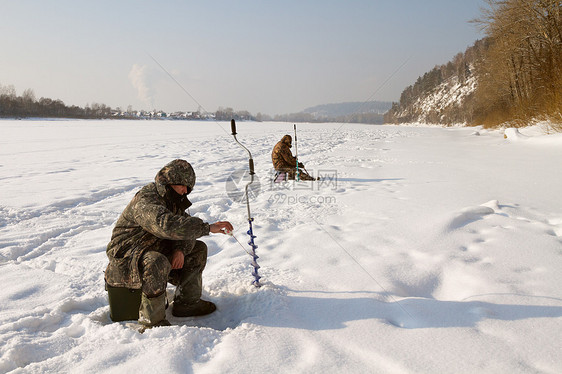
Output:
(521, 75)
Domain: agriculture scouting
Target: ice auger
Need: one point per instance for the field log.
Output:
(250, 232)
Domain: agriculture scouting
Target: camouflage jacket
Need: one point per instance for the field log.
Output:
(155, 219)
(281, 156)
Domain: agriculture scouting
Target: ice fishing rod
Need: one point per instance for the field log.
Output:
(297, 153)
(250, 232)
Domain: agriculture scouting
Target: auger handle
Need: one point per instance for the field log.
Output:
(251, 160)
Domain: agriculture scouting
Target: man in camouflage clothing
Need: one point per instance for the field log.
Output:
(154, 242)
(285, 162)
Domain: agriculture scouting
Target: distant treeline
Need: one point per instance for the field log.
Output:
(517, 69)
(26, 105)
(307, 116)
(372, 118)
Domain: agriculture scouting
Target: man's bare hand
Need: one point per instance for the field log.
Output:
(177, 260)
(222, 227)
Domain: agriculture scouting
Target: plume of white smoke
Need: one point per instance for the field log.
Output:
(140, 80)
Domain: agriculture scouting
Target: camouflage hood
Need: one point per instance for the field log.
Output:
(175, 172)
(287, 140)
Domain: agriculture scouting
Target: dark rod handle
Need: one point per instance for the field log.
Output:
(233, 126)
(251, 161)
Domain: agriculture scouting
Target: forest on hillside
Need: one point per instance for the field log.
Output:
(443, 95)
(516, 70)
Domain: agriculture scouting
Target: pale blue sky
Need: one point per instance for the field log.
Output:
(272, 57)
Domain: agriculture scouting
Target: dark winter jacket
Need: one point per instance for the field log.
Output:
(281, 156)
(155, 219)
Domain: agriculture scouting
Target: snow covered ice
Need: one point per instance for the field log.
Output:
(426, 250)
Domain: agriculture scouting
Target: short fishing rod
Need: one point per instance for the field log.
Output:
(297, 153)
(250, 232)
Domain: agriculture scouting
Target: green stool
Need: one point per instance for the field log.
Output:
(124, 303)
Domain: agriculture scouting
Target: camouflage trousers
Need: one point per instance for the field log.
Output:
(156, 271)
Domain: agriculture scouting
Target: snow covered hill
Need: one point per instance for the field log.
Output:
(438, 106)
(424, 250)
(447, 103)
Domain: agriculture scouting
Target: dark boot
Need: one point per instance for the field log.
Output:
(199, 308)
(189, 279)
(187, 298)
